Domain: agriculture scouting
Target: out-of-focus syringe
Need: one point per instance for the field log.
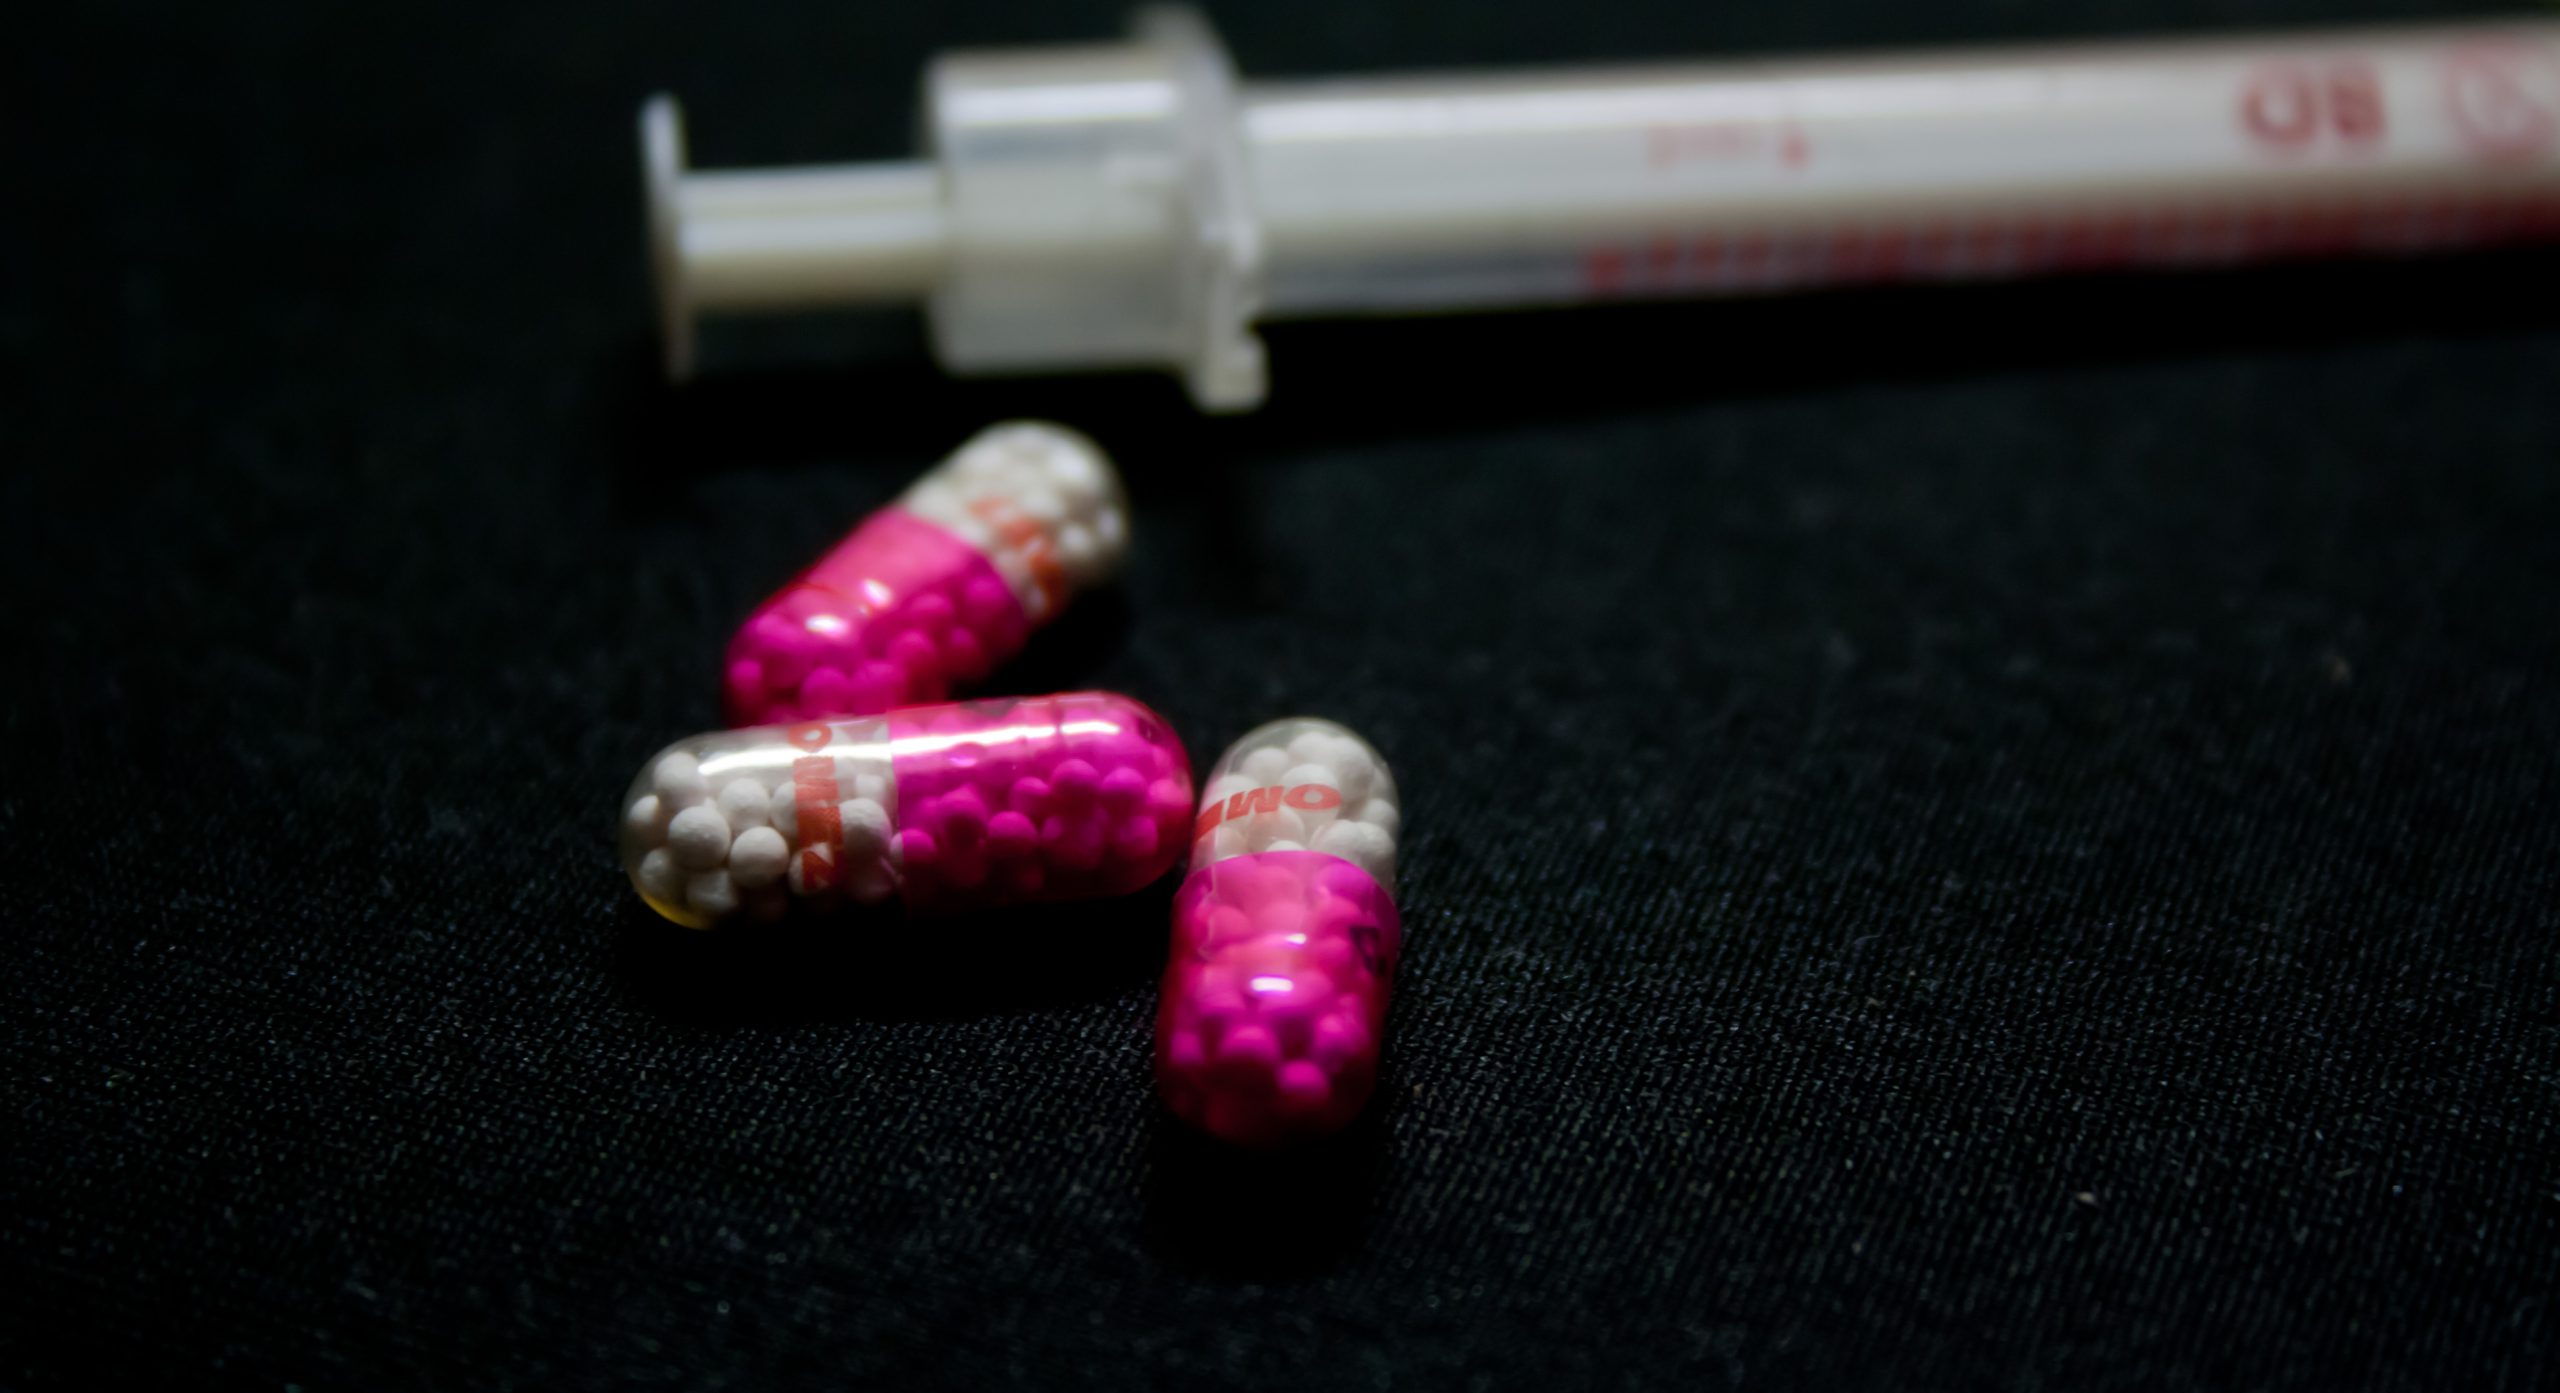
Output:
(1133, 204)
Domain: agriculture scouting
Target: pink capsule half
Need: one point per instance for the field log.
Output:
(937, 808)
(1285, 939)
(931, 593)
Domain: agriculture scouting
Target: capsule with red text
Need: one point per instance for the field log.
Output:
(931, 593)
(1285, 938)
(964, 806)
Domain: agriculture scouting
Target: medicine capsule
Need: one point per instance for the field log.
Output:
(929, 594)
(1285, 938)
(937, 808)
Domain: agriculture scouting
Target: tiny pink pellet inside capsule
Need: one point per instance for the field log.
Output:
(897, 614)
(1275, 995)
(994, 796)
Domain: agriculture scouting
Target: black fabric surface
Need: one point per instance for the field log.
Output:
(1990, 838)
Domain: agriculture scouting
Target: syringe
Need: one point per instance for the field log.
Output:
(1133, 204)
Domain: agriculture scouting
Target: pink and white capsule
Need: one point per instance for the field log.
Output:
(1285, 938)
(931, 593)
(965, 806)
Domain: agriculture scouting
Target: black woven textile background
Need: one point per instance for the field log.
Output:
(1992, 838)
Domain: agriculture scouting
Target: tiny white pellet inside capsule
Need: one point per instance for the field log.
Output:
(679, 780)
(660, 877)
(712, 893)
(1363, 844)
(743, 802)
(646, 819)
(1312, 747)
(1278, 825)
(1354, 774)
(759, 857)
(699, 837)
(866, 826)
(1383, 815)
(1299, 775)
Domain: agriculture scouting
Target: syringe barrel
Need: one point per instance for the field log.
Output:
(1133, 204)
(1443, 192)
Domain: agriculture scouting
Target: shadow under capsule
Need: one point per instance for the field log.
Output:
(1220, 1211)
(862, 965)
(1063, 654)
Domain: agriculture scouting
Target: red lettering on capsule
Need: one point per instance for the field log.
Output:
(1305, 797)
(813, 799)
(1254, 800)
(1314, 798)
